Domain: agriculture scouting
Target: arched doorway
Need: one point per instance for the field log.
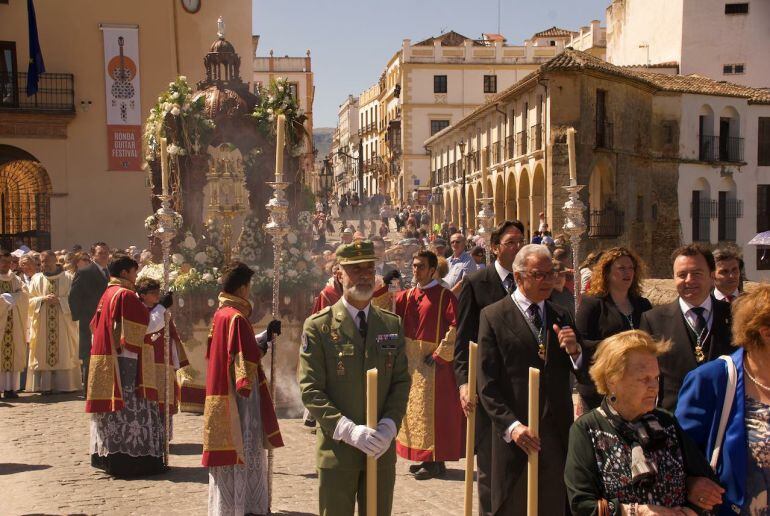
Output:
(510, 197)
(499, 199)
(456, 208)
(522, 204)
(538, 194)
(25, 201)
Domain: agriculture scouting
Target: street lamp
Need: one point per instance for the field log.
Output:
(463, 213)
(327, 177)
(360, 159)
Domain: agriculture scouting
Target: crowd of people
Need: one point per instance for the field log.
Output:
(673, 403)
(671, 416)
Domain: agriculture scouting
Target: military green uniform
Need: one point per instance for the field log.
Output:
(333, 361)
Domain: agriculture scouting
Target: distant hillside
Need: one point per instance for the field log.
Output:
(322, 139)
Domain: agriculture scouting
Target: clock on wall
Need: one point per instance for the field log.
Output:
(191, 6)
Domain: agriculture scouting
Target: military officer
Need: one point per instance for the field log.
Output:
(339, 344)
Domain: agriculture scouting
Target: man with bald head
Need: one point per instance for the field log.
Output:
(54, 364)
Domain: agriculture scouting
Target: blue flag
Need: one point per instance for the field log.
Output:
(36, 65)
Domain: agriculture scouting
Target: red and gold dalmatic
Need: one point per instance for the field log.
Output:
(433, 428)
(157, 341)
(120, 322)
(233, 347)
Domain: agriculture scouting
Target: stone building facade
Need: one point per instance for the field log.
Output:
(628, 153)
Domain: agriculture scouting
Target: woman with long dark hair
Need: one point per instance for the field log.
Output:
(613, 304)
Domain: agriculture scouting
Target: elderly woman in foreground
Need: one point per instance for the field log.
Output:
(627, 457)
(743, 457)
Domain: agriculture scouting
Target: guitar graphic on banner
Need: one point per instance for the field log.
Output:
(122, 69)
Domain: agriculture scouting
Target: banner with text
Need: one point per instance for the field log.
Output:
(121, 77)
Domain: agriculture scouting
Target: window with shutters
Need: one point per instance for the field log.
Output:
(439, 84)
(737, 8)
(763, 142)
(490, 84)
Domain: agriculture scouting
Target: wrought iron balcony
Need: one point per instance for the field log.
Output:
(55, 93)
(521, 143)
(536, 137)
(509, 147)
(606, 223)
(720, 148)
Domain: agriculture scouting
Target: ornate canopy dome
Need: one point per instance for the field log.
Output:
(227, 98)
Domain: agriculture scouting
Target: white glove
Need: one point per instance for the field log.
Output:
(386, 432)
(357, 436)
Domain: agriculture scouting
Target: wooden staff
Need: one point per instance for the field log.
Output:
(533, 419)
(470, 431)
(371, 462)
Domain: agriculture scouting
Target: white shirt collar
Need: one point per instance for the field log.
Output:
(431, 284)
(524, 303)
(502, 271)
(353, 311)
(721, 297)
(686, 307)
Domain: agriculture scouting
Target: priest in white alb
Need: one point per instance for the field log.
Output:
(13, 320)
(54, 364)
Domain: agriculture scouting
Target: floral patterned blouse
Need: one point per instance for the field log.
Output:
(599, 466)
(758, 468)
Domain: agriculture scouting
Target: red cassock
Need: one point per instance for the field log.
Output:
(328, 297)
(433, 428)
(233, 348)
(120, 322)
(157, 341)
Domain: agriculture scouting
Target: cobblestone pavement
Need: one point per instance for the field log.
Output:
(45, 469)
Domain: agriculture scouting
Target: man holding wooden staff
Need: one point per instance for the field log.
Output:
(480, 289)
(339, 344)
(520, 331)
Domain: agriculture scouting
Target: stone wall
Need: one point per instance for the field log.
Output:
(645, 189)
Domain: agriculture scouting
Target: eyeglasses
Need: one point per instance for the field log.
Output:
(540, 275)
(512, 243)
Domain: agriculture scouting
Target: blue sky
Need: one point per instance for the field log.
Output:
(351, 41)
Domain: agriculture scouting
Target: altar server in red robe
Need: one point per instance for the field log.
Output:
(239, 421)
(331, 293)
(433, 429)
(149, 292)
(121, 381)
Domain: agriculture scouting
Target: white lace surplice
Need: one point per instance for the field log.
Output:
(136, 430)
(242, 489)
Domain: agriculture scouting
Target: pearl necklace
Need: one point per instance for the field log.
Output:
(755, 382)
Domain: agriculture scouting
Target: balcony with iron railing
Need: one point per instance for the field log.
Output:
(55, 93)
(728, 149)
(521, 143)
(605, 223)
(510, 149)
(604, 135)
(536, 137)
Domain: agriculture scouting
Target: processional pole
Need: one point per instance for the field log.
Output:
(574, 221)
(277, 227)
(165, 231)
(486, 215)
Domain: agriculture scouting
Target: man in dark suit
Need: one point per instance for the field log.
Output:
(480, 289)
(520, 331)
(698, 325)
(87, 288)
